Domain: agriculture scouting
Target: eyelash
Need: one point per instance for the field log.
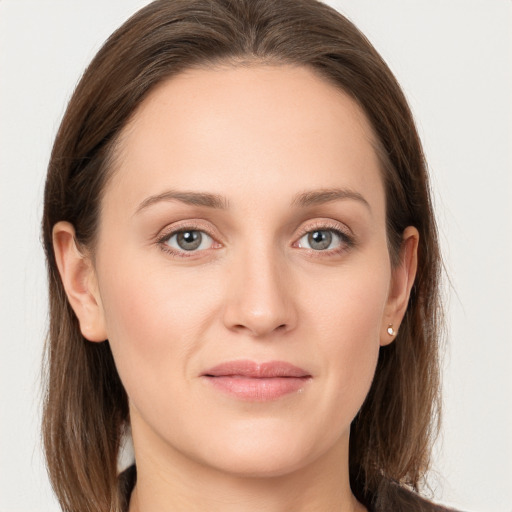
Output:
(347, 241)
(167, 235)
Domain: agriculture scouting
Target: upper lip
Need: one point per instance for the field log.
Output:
(252, 369)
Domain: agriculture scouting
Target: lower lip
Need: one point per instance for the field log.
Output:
(258, 389)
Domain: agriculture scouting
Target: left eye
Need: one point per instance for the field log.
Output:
(189, 240)
(321, 239)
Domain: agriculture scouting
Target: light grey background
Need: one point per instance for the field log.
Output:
(454, 60)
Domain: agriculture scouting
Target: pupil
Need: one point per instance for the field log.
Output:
(320, 239)
(189, 240)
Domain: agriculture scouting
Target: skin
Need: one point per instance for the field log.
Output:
(259, 137)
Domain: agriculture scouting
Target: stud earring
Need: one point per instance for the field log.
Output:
(391, 331)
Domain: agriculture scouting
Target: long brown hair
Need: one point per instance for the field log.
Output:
(85, 405)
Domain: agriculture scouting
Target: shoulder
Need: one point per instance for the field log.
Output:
(396, 498)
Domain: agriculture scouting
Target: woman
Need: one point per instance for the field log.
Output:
(243, 268)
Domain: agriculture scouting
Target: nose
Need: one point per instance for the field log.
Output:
(260, 294)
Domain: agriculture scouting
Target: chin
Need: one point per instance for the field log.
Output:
(261, 464)
(263, 453)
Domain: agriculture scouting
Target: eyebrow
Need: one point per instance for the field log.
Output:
(192, 198)
(216, 201)
(321, 196)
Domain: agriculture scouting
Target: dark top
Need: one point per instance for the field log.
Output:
(403, 500)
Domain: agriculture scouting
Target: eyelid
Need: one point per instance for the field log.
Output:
(184, 225)
(325, 224)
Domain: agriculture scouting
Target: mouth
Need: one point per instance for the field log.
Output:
(258, 382)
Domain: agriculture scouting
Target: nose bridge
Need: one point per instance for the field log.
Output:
(260, 298)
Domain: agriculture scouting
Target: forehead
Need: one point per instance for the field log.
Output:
(234, 129)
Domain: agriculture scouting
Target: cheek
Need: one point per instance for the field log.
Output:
(154, 319)
(349, 303)
(346, 322)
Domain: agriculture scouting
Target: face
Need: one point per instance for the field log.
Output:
(242, 269)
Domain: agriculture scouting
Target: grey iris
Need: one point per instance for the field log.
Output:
(189, 240)
(320, 240)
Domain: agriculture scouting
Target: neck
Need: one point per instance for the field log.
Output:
(169, 481)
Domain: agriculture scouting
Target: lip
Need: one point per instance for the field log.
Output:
(258, 382)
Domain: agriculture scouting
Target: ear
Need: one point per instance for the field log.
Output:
(80, 283)
(402, 279)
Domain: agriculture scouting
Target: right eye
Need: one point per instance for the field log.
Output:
(188, 240)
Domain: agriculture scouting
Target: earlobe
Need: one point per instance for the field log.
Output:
(402, 281)
(79, 281)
